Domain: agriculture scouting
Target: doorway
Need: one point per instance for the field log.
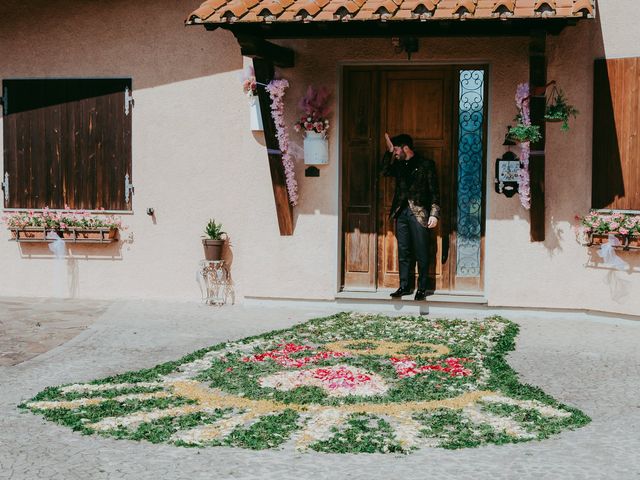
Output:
(443, 109)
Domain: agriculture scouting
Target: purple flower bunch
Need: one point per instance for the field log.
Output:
(276, 90)
(524, 187)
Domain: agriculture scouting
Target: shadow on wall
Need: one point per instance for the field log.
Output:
(65, 274)
(144, 39)
(617, 280)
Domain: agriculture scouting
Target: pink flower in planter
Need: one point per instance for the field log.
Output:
(614, 226)
(623, 231)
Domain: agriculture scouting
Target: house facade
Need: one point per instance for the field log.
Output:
(186, 146)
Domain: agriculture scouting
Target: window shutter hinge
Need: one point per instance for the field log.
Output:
(5, 187)
(128, 101)
(128, 188)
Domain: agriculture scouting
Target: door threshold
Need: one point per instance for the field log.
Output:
(477, 298)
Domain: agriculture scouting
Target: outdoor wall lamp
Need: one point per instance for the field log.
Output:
(405, 44)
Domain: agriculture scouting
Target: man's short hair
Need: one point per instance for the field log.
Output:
(402, 140)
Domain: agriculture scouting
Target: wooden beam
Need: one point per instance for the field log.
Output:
(264, 72)
(256, 47)
(537, 102)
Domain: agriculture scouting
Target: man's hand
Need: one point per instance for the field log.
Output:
(432, 223)
(389, 143)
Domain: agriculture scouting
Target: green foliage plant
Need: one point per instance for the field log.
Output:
(525, 133)
(560, 110)
(213, 230)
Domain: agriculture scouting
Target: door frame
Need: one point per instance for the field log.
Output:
(457, 285)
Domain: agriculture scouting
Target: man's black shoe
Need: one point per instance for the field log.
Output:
(401, 291)
(420, 295)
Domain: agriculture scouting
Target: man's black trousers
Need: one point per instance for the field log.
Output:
(413, 245)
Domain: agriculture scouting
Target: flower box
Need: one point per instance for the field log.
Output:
(28, 234)
(77, 235)
(103, 233)
(627, 242)
(69, 225)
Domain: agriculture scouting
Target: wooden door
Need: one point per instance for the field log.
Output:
(413, 100)
(417, 102)
(360, 149)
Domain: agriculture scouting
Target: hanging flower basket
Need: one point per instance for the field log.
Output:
(522, 133)
(558, 110)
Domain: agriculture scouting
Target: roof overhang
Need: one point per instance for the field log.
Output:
(366, 18)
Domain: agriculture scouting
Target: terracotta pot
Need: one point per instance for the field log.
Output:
(29, 233)
(212, 249)
(95, 234)
(602, 238)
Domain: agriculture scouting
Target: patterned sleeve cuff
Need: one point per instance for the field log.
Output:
(435, 211)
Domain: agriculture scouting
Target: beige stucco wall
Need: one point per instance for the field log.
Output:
(194, 157)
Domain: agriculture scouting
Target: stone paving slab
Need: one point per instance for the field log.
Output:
(30, 328)
(593, 365)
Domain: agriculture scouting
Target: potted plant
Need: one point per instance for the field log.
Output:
(558, 110)
(522, 133)
(214, 241)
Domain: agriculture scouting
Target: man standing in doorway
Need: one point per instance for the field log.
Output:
(415, 208)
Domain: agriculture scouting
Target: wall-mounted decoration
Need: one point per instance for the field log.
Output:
(250, 88)
(316, 148)
(507, 174)
(315, 123)
(256, 116)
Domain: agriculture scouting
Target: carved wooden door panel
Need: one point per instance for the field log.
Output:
(359, 151)
(418, 102)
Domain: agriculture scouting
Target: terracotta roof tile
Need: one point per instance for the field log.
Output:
(247, 11)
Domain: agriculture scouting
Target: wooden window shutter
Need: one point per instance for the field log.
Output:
(616, 144)
(67, 142)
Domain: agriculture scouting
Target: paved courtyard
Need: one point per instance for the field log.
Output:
(592, 364)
